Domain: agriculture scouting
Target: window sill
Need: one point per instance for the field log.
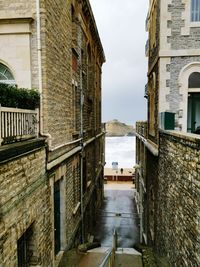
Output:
(195, 24)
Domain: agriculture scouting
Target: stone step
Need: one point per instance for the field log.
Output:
(128, 260)
(128, 257)
(128, 251)
(92, 259)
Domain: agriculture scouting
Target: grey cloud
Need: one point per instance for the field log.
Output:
(122, 31)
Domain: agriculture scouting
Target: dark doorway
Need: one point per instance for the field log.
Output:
(57, 216)
(25, 248)
(193, 112)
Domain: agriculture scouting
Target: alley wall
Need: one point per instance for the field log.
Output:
(178, 199)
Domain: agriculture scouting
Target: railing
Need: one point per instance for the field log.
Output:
(141, 128)
(17, 124)
(109, 259)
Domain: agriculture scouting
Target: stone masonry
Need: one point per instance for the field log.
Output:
(25, 203)
(168, 169)
(178, 201)
(44, 204)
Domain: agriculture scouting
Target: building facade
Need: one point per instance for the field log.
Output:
(167, 161)
(51, 160)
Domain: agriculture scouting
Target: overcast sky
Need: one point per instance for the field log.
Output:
(121, 26)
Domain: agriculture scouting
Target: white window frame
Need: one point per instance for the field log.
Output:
(195, 11)
(7, 81)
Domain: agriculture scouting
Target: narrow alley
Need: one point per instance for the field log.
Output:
(118, 215)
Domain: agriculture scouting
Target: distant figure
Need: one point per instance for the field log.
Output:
(121, 170)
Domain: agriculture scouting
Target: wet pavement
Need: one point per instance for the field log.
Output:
(118, 212)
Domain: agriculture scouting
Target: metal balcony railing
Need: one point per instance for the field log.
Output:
(17, 124)
(141, 128)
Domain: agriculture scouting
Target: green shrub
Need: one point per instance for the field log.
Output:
(12, 96)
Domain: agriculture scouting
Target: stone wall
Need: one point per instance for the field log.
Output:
(181, 48)
(178, 199)
(179, 10)
(56, 60)
(24, 203)
(61, 163)
(152, 197)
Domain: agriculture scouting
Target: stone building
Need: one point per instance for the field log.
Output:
(168, 151)
(51, 158)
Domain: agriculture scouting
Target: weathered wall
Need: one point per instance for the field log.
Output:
(151, 201)
(178, 199)
(59, 35)
(154, 31)
(57, 80)
(153, 103)
(24, 194)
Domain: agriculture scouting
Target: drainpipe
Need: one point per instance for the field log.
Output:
(81, 133)
(39, 53)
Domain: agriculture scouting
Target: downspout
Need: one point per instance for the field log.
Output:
(81, 133)
(39, 54)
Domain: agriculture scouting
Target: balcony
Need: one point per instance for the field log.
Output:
(17, 125)
(141, 128)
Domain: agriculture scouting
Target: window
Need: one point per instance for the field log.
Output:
(75, 106)
(74, 60)
(6, 75)
(195, 10)
(194, 80)
(193, 112)
(26, 248)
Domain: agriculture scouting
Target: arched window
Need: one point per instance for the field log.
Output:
(6, 75)
(194, 80)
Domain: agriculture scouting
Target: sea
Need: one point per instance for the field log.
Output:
(121, 150)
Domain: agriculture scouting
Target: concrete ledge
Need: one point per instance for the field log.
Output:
(15, 150)
(187, 136)
(14, 20)
(153, 148)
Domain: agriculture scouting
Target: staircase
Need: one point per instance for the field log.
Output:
(101, 257)
(107, 257)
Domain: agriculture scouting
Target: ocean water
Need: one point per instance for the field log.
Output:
(121, 150)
